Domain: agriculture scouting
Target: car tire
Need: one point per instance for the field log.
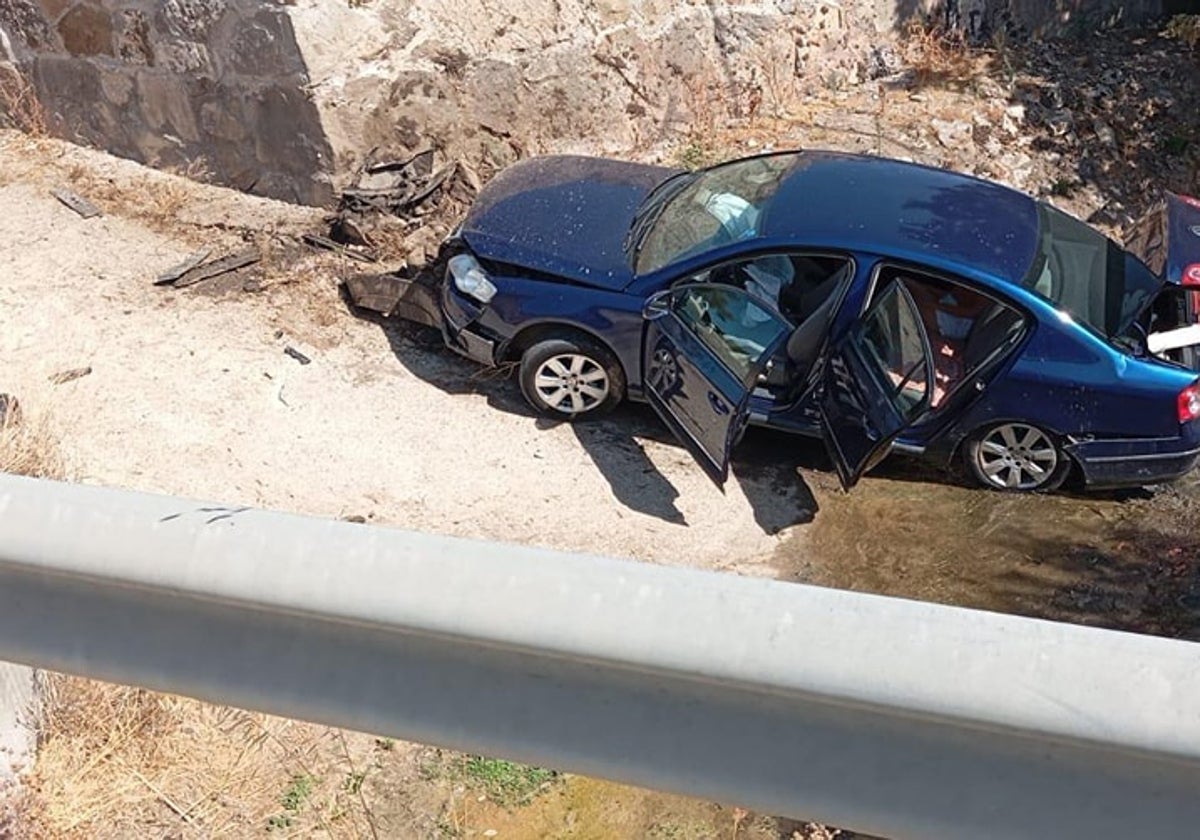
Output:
(1016, 457)
(571, 378)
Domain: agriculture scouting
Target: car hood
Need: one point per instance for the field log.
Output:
(562, 215)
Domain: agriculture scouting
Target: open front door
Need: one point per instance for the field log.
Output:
(877, 382)
(704, 347)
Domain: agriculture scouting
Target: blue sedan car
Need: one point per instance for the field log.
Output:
(876, 304)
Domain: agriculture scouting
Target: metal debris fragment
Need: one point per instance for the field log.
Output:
(76, 202)
(297, 355)
(232, 262)
(330, 245)
(173, 273)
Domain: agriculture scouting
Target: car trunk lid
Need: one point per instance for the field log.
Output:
(1167, 240)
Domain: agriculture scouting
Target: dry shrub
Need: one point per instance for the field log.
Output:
(936, 55)
(1184, 28)
(20, 107)
(118, 761)
(28, 446)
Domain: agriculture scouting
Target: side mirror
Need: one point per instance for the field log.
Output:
(657, 305)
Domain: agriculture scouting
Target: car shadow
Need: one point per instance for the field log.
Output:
(765, 467)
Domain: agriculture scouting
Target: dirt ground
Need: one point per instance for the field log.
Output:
(190, 392)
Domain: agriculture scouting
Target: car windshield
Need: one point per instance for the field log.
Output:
(712, 208)
(1089, 276)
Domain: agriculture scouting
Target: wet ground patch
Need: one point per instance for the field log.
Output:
(1126, 560)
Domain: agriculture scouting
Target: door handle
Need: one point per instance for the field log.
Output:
(718, 405)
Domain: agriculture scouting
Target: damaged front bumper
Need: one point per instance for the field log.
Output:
(429, 300)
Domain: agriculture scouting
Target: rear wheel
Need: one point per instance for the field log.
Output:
(571, 377)
(1016, 457)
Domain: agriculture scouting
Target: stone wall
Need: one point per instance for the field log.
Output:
(211, 85)
(286, 98)
(491, 80)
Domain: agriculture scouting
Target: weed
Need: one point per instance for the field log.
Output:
(297, 792)
(278, 822)
(1062, 187)
(506, 783)
(1177, 144)
(695, 153)
(294, 796)
(353, 782)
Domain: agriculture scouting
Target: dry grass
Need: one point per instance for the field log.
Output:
(20, 107)
(938, 56)
(28, 446)
(118, 761)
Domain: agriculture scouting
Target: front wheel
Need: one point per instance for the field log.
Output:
(1016, 457)
(570, 378)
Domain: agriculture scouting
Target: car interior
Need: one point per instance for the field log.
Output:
(734, 308)
(965, 327)
(803, 288)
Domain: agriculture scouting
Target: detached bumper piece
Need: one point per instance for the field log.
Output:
(393, 295)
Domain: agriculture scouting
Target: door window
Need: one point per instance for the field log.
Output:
(966, 328)
(894, 345)
(732, 323)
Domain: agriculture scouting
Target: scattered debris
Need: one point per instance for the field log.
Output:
(411, 190)
(347, 231)
(410, 294)
(329, 245)
(225, 264)
(297, 355)
(168, 277)
(65, 376)
(10, 411)
(76, 202)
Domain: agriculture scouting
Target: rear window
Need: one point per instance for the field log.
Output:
(1087, 275)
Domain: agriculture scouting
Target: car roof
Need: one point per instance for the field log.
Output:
(904, 209)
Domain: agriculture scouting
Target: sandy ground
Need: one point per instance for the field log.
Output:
(191, 394)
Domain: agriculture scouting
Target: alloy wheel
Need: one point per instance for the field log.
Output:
(1015, 456)
(571, 383)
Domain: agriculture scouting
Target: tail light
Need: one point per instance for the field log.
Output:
(1191, 280)
(1189, 403)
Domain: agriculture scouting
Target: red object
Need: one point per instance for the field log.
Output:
(1187, 199)
(1189, 403)
(1191, 275)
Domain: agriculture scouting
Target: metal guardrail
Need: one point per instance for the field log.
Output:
(891, 717)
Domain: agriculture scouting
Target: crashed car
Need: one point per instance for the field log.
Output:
(876, 304)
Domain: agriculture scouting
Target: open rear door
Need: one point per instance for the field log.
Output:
(705, 345)
(877, 381)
